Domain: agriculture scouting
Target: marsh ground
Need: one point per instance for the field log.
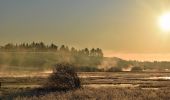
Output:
(95, 86)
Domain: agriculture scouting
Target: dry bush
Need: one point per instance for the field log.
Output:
(63, 77)
(114, 69)
(136, 69)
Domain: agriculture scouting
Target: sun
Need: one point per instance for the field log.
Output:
(164, 22)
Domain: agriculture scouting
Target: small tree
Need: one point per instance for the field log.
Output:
(63, 77)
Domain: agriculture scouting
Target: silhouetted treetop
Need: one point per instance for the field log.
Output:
(42, 47)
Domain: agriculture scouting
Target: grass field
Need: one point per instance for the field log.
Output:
(95, 86)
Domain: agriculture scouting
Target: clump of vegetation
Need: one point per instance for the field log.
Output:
(136, 69)
(114, 69)
(63, 77)
(87, 69)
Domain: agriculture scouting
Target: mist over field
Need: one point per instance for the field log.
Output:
(41, 57)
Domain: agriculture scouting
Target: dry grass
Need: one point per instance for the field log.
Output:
(148, 89)
(104, 94)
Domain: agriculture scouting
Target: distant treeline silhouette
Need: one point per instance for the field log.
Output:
(41, 47)
(41, 56)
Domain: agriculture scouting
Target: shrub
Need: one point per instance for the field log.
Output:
(136, 69)
(87, 69)
(63, 77)
(114, 69)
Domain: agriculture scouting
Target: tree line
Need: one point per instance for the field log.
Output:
(39, 55)
(41, 47)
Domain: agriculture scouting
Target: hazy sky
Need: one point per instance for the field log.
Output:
(116, 26)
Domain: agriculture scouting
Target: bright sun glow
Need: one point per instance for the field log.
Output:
(164, 22)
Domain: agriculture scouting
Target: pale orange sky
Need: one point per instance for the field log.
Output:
(126, 28)
(139, 56)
